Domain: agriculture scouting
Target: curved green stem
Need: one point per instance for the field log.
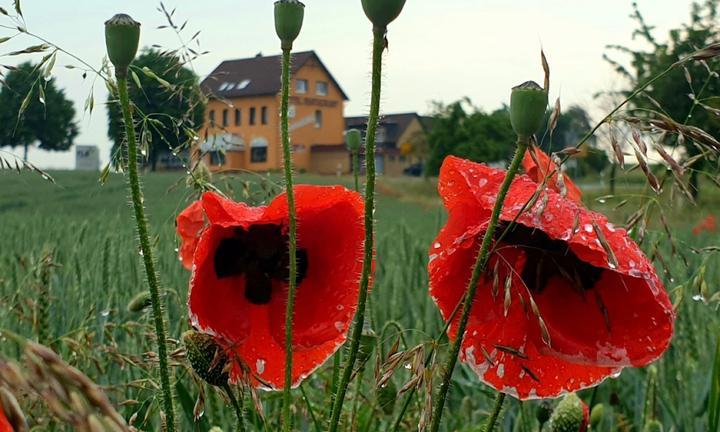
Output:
(378, 46)
(237, 406)
(490, 425)
(147, 254)
(478, 269)
(292, 234)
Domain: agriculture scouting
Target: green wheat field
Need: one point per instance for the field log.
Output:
(87, 229)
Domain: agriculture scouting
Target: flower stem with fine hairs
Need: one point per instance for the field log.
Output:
(490, 425)
(478, 269)
(147, 254)
(378, 47)
(292, 234)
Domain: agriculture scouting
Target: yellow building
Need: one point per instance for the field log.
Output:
(243, 125)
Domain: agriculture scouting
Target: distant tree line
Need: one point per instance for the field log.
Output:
(462, 130)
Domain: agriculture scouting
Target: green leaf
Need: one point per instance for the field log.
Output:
(136, 79)
(26, 101)
(187, 403)
(17, 7)
(714, 403)
(104, 174)
(149, 73)
(4, 39)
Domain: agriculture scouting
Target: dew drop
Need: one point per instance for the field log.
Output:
(482, 182)
(339, 326)
(588, 228)
(105, 313)
(698, 297)
(260, 366)
(436, 245)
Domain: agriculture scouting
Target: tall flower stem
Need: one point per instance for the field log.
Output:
(292, 233)
(490, 425)
(478, 269)
(378, 47)
(147, 254)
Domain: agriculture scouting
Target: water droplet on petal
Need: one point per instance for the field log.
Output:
(260, 366)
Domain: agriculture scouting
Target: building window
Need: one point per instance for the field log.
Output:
(211, 117)
(258, 150)
(321, 88)
(301, 86)
(217, 158)
(252, 115)
(318, 119)
(238, 117)
(225, 118)
(263, 115)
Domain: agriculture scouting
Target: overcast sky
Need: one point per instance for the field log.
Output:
(440, 50)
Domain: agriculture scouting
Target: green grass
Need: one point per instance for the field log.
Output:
(91, 328)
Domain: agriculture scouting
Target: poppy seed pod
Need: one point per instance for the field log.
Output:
(122, 37)
(527, 108)
(382, 12)
(571, 415)
(353, 140)
(653, 426)
(140, 302)
(288, 21)
(207, 359)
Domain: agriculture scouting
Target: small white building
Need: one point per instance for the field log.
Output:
(87, 158)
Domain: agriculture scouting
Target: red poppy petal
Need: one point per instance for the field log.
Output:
(224, 212)
(189, 225)
(542, 169)
(4, 423)
(574, 341)
(218, 306)
(331, 230)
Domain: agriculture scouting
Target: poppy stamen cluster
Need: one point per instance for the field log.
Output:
(261, 255)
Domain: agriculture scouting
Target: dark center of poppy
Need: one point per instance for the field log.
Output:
(261, 255)
(547, 257)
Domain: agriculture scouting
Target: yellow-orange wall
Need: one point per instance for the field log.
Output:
(302, 139)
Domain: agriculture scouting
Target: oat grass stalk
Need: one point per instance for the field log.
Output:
(147, 253)
(378, 47)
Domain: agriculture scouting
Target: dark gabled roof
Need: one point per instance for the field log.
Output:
(261, 74)
(394, 124)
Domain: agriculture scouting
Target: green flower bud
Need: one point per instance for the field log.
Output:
(571, 415)
(122, 37)
(207, 359)
(353, 140)
(527, 108)
(288, 21)
(653, 426)
(543, 411)
(382, 12)
(386, 397)
(596, 415)
(140, 302)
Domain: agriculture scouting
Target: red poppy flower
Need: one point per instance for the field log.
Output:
(238, 289)
(709, 224)
(4, 423)
(538, 166)
(567, 299)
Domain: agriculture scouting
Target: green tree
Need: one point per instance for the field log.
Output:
(470, 134)
(169, 104)
(696, 80)
(34, 110)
